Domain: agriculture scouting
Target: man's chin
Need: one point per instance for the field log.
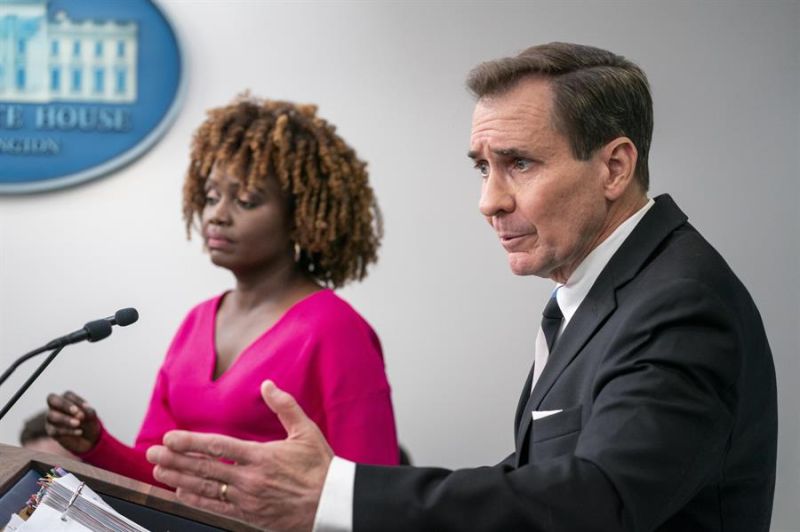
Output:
(521, 266)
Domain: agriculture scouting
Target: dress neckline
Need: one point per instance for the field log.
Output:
(258, 339)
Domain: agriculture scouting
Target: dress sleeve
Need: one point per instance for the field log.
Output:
(363, 430)
(113, 455)
(357, 418)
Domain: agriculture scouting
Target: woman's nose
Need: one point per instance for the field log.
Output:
(219, 212)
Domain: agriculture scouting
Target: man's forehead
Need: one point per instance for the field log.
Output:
(534, 95)
(511, 122)
(528, 104)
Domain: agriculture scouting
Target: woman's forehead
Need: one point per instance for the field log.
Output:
(229, 176)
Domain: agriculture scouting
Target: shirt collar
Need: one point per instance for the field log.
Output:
(571, 294)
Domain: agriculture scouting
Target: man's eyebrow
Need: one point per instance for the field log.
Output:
(512, 153)
(504, 152)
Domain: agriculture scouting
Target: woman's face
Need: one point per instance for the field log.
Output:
(245, 230)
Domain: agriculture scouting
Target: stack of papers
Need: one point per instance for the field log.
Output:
(65, 504)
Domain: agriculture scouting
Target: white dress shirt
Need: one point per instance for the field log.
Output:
(571, 294)
(335, 509)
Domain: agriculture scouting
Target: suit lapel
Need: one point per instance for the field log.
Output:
(524, 396)
(582, 326)
(590, 315)
(522, 406)
(660, 221)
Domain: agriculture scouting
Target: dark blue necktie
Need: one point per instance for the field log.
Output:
(551, 322)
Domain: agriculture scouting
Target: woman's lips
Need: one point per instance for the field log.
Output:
(217, 241)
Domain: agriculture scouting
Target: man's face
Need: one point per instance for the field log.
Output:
(548, 208)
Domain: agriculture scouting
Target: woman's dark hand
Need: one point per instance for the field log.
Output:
(72, 422)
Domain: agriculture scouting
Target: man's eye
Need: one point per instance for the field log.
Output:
(521, 164)
(483, 168)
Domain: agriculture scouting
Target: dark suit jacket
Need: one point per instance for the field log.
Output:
(669, 419)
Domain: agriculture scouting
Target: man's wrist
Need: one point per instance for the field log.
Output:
(335, 509)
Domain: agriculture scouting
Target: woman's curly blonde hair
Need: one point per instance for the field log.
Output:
(335, 221)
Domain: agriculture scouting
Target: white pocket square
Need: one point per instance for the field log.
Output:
(540, 414)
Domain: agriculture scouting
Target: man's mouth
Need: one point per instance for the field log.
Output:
(510, 240)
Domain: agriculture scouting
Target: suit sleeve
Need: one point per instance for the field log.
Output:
(662, 411)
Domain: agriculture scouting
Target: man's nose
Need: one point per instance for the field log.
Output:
(496, 196)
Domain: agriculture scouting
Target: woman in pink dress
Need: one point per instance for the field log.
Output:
(284, 204)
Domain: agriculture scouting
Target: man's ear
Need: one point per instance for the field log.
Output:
(620, 156)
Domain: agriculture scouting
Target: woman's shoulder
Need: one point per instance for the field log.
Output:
(338, 335)
(325, 311)
(327, 306)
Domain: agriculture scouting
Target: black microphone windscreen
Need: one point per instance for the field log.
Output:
(126, 316)
(97, 330)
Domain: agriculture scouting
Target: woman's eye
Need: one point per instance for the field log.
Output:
(211, 199)
(247, 203)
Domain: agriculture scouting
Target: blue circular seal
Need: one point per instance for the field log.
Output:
(86, 86)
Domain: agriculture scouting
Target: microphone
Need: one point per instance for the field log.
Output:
(124, 317)
(96, 330)
(93, 331)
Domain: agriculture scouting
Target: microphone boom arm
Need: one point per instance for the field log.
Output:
(22, 359)
(30, 380)
(93, 331)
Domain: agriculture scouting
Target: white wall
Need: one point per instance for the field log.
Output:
(457, 326)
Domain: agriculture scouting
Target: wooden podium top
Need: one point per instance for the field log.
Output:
(15, 462)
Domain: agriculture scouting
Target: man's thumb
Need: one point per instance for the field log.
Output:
(285, 407)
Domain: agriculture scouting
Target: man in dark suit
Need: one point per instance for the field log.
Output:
(651, 405)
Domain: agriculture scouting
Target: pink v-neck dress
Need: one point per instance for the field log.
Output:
(321, 351)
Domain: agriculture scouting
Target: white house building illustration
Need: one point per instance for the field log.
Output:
(58, 59)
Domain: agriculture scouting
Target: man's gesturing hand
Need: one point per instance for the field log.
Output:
(275, 485)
